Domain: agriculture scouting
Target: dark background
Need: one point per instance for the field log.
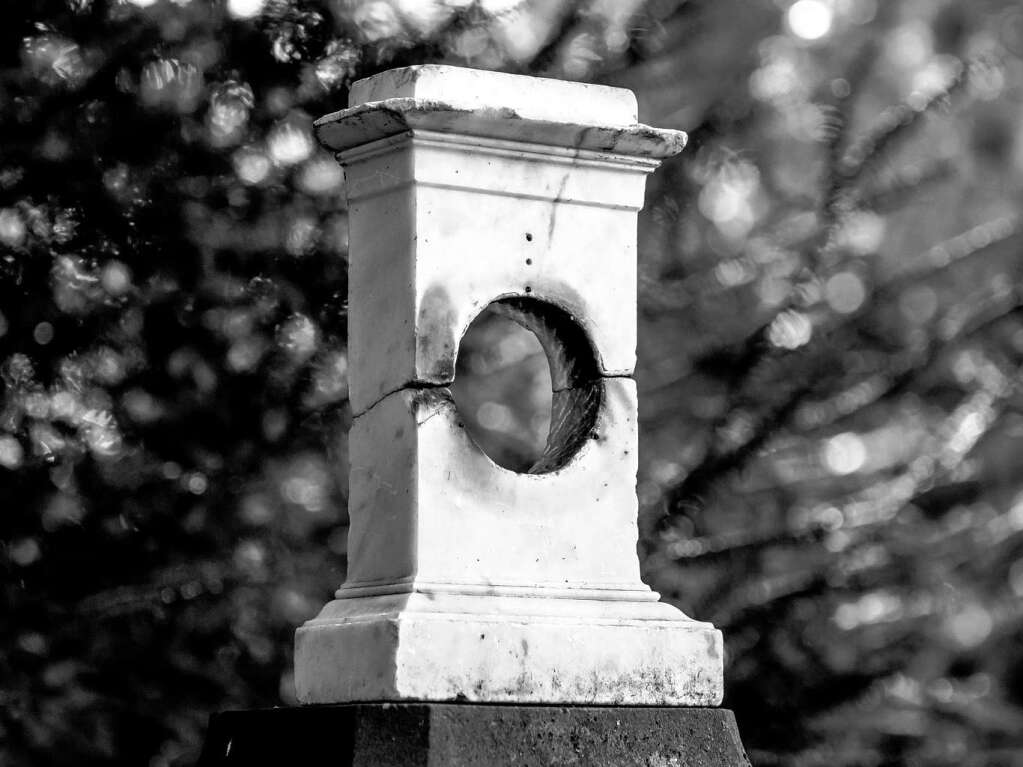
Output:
(829, 364)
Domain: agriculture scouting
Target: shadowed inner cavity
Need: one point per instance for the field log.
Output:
(527, 384)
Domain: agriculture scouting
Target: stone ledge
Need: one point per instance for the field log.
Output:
(471, 735)
(363, 124)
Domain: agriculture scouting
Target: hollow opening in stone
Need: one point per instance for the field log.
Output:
(527, 385)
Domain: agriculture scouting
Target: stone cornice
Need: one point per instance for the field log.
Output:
(366, 123)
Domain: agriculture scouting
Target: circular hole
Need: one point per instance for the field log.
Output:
(529, 237)
(526, 385)
(503, 390)
(529, 262)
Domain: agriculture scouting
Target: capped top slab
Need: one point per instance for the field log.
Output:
(497, 107)
(531, 98)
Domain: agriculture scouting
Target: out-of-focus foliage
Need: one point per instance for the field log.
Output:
(830, 383)
(830, 347)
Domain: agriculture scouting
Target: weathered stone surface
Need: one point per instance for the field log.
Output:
(453, 735)
(466, 580)
(443, 597)
(532, 98)
(368, 123)
(496, 647)
(427, 506)
(449, 213)
(583, 120)
(439, 228)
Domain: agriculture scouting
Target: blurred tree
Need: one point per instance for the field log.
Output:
(831, 339)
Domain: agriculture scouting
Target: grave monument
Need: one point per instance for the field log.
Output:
(491, 617)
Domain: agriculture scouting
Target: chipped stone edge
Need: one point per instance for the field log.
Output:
(374, 120)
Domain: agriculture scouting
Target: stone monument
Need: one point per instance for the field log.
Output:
(471, 585)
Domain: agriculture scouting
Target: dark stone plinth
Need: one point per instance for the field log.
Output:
(474, 735)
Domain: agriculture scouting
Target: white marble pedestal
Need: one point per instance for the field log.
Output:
(468, 581)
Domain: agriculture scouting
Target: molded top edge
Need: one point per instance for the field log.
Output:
(366, 123)
(532, 98)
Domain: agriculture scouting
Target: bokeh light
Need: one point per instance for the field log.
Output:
(289, 144)
(810, 19)
(790, 330)
(845, 292)
(245, 9)
(845, 453)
